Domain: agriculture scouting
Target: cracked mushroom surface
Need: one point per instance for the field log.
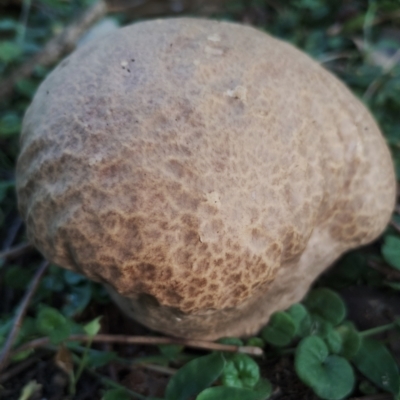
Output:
(204, 171)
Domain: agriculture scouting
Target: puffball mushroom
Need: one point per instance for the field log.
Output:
(203, 171)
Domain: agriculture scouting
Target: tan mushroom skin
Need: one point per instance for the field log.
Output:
(204, 171)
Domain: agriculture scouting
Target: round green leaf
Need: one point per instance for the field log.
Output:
(351, 340)
(375, 362)
(331, 377)
(391, 251)
(53, 324)
(195, 376)
(301, 319)
(280, 330)
(241, 371)
(261, 391)
(256, 342)
(327, 304)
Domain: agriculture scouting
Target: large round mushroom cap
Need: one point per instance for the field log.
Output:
(204, 171)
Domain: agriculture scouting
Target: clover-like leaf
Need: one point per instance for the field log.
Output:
(327, 304)
(330, 376)
(195, 376)
(256, 342)
(241, 371)
(391, 251)
(280, 330)
(261, 391)
(375, 362)
(53, 324)
(301, 319)
(351, 340)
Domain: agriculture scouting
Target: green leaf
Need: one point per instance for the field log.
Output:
(17, 277)
(195, 376)
(29, 390)
(375, 362)
(10, 124)
(366, 387)
(9, 51)
(351, 340)
(53, 324)
(97, 358)
(27, 87)
(93, 327)
(4, 188)
(330, 376)
(170, 350)
(261, 391)
(78, 299)
(256, 342)
(73, 278)
(116, 394)
(301, 319)
(241, 371)
(391, 251)
(280, 330)
(327, 304)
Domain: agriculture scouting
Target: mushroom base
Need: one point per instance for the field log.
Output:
(290, 286)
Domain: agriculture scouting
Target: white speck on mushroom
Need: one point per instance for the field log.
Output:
(196, 62)
(124, 63)
(214, 51)
(239, 92)
(214, 38)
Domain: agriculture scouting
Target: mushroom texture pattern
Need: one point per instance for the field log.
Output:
(204, 171)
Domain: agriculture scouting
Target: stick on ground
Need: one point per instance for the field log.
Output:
(5, 354)
(147, 340)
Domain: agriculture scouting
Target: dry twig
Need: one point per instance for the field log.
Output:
(56, 47)
(383, 269)
(5, 354)
(16, 370)
(147, 340)
(158, 368)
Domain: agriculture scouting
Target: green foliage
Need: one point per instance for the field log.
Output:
(10, 124)
(52, 323)
(301, 319)
(195, 376)
(375, 362)
(391, 251)
(116, 394)
(351, 340)
(325, 345)
(171, 351)
(281, 329)
(327, 304)
(241, 371)
(256, 342)
(330, 376)
(261, 391)
(93, 327)
(9, 51)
